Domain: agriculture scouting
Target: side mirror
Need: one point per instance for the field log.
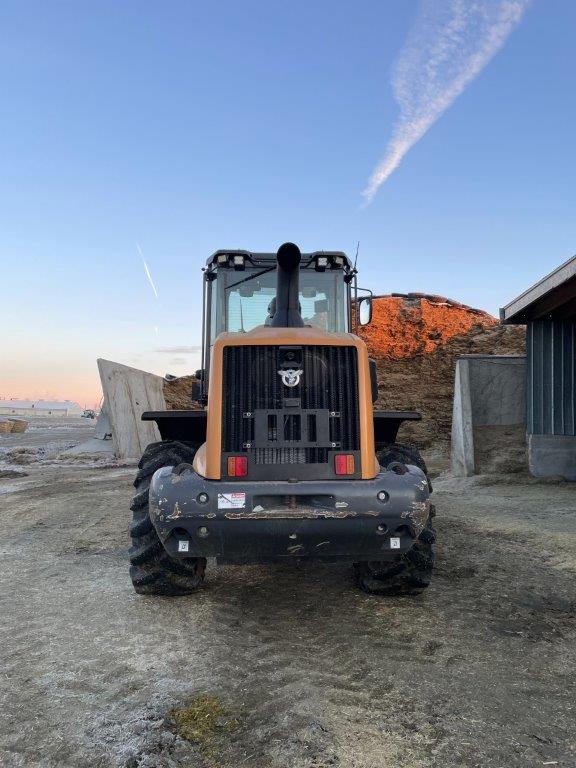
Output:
(365, 310)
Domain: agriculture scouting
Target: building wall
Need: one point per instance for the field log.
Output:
(7, 411)
(551, 398)
(551, 373)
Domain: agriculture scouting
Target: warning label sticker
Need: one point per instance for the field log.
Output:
(231, 500)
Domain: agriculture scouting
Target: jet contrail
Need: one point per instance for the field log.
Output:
(148, 275)
(450, 43)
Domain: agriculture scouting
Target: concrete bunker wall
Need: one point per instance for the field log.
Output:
(129, 392)
(489, 415)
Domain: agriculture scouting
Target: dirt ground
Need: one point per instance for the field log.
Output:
(309, 672)
(49, 434)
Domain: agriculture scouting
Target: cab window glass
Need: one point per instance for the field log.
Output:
(243, 304)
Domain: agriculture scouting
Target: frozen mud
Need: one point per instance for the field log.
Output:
(480, 671)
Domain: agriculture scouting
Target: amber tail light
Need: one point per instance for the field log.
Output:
(237, 466)
(344, 464)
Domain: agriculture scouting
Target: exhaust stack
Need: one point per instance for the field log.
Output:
(287, 313)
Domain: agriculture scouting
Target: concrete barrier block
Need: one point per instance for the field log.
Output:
(462, 432)
(103, 430)
(128, 392)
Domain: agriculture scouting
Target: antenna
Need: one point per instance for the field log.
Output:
(356, 257)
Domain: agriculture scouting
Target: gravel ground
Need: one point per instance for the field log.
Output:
(480, 671)
(45, 430)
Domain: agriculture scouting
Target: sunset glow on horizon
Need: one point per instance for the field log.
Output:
(84, 390)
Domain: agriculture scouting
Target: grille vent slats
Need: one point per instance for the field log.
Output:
(251, 382)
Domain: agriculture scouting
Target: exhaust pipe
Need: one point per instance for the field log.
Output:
(287, 313)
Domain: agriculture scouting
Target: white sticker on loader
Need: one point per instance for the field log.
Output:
(394, 542)
(231, 500)
(182, 545)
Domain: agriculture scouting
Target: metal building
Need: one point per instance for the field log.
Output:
(39, 408)
(548, 309)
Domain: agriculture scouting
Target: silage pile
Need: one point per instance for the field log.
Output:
(416, 341)
(177, 394)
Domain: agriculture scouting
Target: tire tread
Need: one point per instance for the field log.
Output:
(411, 572)
(152, 570)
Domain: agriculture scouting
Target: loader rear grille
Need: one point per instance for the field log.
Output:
(328, 391)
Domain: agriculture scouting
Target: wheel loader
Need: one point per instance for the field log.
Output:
(287, 460)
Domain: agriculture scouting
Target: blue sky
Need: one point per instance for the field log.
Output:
(185, 127)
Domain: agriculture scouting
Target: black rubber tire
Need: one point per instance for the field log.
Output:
(403, 453)
(152, 570)
(409, 573)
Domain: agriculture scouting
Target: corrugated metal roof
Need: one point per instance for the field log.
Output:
(544, 298)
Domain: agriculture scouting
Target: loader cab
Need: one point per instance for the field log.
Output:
(240, 291)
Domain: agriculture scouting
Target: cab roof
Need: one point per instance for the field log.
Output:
(259, 258)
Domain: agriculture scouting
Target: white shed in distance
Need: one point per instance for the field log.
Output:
(39, 408)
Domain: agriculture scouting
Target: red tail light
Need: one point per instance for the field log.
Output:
(344, 464)
(237, 466)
